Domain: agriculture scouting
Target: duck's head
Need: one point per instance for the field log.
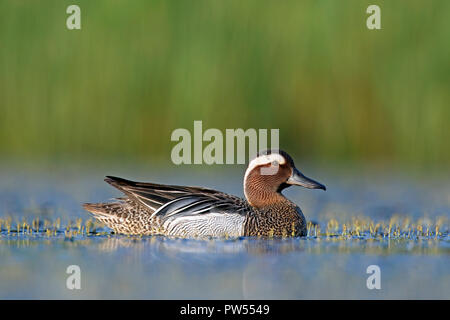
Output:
(271, 172)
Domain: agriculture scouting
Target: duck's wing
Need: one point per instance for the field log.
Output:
(169, 202)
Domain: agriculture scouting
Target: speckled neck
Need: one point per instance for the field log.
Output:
(261, 190)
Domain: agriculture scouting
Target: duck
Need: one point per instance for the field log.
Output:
(150, 209)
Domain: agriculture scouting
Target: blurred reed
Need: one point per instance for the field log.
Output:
(137, 70)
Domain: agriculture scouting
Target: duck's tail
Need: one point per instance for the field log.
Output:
(123, 218)
(113, 214)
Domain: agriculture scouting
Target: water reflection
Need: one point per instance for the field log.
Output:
(251, 246)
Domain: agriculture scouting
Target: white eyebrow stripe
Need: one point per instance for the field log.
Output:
(263, 160)
(266, 159)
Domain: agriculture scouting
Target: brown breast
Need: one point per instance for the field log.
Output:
(280, 219)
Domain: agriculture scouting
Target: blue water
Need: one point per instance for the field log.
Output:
(112, 266)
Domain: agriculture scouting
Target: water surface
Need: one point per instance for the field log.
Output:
(413, 256)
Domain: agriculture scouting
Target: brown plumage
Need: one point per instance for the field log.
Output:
(156, 209)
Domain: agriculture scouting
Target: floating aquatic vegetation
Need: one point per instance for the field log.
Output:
(50, 228)
(397, 227)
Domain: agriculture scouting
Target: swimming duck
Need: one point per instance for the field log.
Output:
(158, 209)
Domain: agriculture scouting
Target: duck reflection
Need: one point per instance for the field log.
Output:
(164, 245)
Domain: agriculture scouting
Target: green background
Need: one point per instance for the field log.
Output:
(137, 70)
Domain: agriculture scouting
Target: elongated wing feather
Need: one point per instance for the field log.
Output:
(173, 202)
